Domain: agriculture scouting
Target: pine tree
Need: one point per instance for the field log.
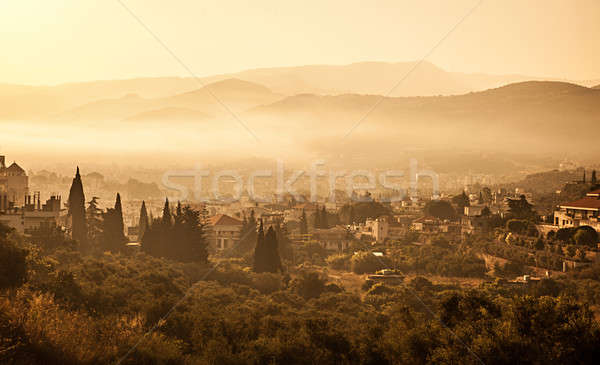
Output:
(182, 240)
(324, 220)
(189, 243)
(77, 210)
(94, 222)
(303, 223)
(143, 222)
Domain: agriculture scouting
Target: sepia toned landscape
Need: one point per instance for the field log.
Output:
(230, 182)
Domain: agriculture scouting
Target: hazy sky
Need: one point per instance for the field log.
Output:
(74, 40)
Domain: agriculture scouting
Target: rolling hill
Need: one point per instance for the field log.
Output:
(236, 95)
(23, 102)
(535, 115)
(172, 114)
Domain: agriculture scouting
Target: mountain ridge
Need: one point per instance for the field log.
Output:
(370, 77)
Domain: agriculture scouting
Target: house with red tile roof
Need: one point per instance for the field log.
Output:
(223, 232)
(581, 212)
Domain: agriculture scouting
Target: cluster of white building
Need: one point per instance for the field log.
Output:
(19, 209)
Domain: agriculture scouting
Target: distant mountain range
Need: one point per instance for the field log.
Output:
(375, 78)
(539, 116)
(215, 99)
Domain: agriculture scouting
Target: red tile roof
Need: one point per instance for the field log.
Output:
(587, 203)
(224, 220)
(594, 192)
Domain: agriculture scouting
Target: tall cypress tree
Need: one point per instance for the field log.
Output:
(594, 181)
(303, 223)
(324, 220)
(119, 225)
(317, 219)
(113, 236)
(166, 217)
(143, 222)
(259, 250)
(272, 258)
(77, 210)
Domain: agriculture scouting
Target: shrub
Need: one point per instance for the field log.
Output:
(267, 283)
(339, 261)
(309, 284)
(380, 289)
(585, 236)
(365, 262)
(13, 265)
(516, 226)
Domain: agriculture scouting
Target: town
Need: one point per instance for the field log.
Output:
(317, 182)
(337, 226)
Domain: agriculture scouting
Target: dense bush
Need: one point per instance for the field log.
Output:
(585, 236)
(516, 226)
(440, 209)
(439, 260)
(13, 264)
(339, 261)
(366, 262)
(146, 310)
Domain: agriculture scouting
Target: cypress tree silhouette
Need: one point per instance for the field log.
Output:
(166, 217)
(143, 222)
(272, 258)
(119, 215)
(77, 210)
(317, 219)
(594, 181)
(181, 238)
(259, 250)
(324, 220)
(113, 228)
(303, 223)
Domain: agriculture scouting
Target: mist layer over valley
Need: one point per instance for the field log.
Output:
(177, 122)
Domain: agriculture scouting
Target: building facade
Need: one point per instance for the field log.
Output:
(224, 232)
(582, 212)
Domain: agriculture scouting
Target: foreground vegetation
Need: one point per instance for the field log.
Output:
(61, 307)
